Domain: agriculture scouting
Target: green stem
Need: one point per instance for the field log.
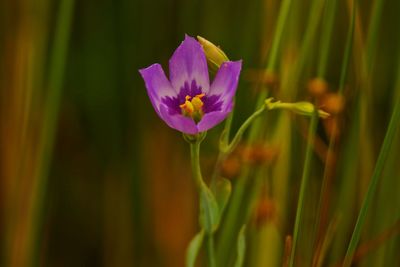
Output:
(225, 148)
(196, 171)
(198, 178)
(347, 52)
(326, 180)
(373, 32)
(233, 221)
(394, 121)
(210, 251)
(221, 156)
(51, 110)
(330, 10)
(282, 19)
(304, 182)
(239, 134)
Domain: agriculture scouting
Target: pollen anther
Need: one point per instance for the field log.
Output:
(193, 107)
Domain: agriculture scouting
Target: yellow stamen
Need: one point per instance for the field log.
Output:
(193, 108)
(187, 107)
(196, 101)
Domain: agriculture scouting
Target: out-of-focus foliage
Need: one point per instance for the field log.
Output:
(90, 176)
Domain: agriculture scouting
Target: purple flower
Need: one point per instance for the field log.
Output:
(187, 102)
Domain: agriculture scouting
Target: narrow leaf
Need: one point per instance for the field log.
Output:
(223, 192)
(241, 247)
(194, 248)
(209, 210)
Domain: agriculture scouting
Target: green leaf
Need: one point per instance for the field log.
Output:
(223, 190)
(241, 247)
(194, 248)
(209, 217)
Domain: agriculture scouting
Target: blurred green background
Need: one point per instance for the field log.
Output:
(90, 176)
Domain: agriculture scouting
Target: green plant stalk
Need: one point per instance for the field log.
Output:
(330, 232)
(227, 148)
(366, 97)
(326, 180)
(373, 32)
(195, 163)
(35, 69)
(304, 182)
(237, 196)
(348, 48)
(347, 171)
(290, 89)
(383, 155)
(51, 110)
(383, 218)
(198, 179)
(231, 217)
(367, 92)
(239, 134)
(270, 243)
(326, 38)
(210, 251)
(232, 221)
(282, 20)
(221, 156)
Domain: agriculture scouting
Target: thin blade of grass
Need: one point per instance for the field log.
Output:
(304, 181)
(383, 155)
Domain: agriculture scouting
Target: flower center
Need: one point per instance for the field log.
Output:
(193, 107)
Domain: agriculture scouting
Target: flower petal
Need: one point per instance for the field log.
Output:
(226, 81)
(157, 85)
(211, 119)
(178, 121)
(189, 63)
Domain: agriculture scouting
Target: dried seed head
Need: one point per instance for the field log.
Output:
(333, 103)
(265, 212)
(317, 87)
(231, 167)
(259, 154)
(270, 79)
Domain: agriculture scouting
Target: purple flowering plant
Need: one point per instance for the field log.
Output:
(189, 103)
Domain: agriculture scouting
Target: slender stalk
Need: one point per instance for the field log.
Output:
(304, 182)
(348, 48)
(239, 134)
(307, 42)
(373, 31)
(226, 148)
(330, 10)
(386, 148)
(54, 87)
(221, 156)
(282, 19)
(210, 251)
(232, 221)
(198, 179)
(196, 171)
(328, 170)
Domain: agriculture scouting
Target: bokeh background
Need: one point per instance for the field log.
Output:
(90, 176)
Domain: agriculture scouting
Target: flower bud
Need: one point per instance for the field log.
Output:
(215, 56)
(302, 108)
